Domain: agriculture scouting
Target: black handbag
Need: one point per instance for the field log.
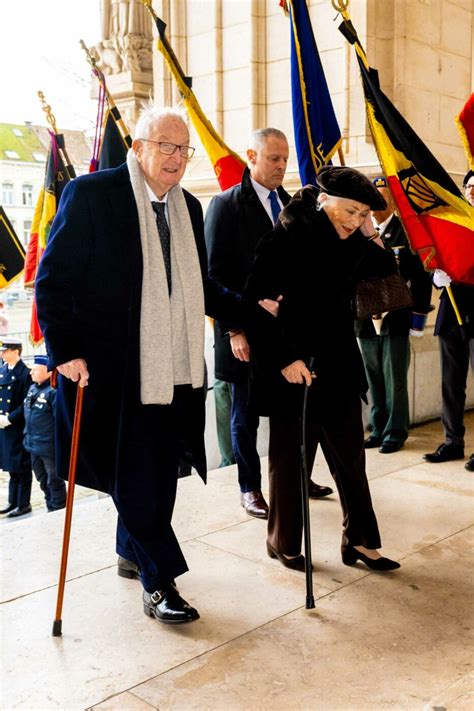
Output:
(376, 296)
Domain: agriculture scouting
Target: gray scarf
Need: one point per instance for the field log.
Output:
(168, 320)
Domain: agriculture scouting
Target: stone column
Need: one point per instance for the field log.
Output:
(124, 55)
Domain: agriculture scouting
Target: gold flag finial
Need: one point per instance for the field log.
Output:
(47, 110)
(92, 60)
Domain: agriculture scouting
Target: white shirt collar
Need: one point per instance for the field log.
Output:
(383, 225)
(153, 197)
(261, 190)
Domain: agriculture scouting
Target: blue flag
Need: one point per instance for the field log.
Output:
(317, 134)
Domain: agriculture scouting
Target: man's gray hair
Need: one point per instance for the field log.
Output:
(152, 113)
(260, 135)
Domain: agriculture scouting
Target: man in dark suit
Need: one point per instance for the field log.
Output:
(126, 259)
(235, 221)
(14, 383)
(387, 354)
(456, 345)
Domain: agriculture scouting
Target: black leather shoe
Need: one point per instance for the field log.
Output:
(127, 568)
(254, 504)
(316, 491)
(445, 453)
(469, 464)
(19, 511)
(167, 605)
(350, 556)
(390, 447)
(297, 563)
(372, 442)
(7, 509)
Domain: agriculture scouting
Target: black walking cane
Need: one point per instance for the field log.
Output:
(305, 499)
(57, 624)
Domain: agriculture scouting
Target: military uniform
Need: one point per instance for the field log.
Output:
(39, 408)
(14, 384)
(387, 356)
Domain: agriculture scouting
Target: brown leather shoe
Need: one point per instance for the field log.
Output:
(254, 504)
(316, 491)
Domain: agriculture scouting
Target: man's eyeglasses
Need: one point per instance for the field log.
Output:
(169, 148)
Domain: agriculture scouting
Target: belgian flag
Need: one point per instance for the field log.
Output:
(465, 124)
(228, 166)
(12, 254)
(438, 220)
(317, 134)
(111, 145)
(57, 175)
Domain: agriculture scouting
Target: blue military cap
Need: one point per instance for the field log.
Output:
(380, 182)
(41, 360)
(9, 342)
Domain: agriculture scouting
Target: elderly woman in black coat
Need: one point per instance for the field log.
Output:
(321, 246)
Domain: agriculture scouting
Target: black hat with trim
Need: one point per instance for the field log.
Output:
(348, 183)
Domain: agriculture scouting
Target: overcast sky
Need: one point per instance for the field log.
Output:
(39, 50)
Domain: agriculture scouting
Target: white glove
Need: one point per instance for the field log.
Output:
(4, 421)
(440, 278)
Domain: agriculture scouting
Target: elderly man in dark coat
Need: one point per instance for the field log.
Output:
(235, 221)
(14, 383)
(105, 276)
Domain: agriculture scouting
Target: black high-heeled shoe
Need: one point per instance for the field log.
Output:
(350, 556)
(297, 563)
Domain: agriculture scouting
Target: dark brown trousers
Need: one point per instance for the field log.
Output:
(341, 435)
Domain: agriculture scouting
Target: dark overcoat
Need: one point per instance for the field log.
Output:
(14, 384)
(397, 323)
(305, 260)
(88, 293)
(235, 222)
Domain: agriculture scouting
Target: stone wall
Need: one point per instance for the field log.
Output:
(237, 52)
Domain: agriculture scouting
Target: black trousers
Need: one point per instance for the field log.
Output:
(19, 487)
(340, 432)
(455, 351)
(146, 491)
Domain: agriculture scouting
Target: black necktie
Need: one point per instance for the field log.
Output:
(165, 238)
(275, 205)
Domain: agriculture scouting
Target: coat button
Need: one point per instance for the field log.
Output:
(8, 400)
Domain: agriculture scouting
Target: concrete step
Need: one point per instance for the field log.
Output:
(373, 641)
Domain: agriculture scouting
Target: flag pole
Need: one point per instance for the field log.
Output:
(341, 6)
(50, 118)
(112, 105)
(58, 623)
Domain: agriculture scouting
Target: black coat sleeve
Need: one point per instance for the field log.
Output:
(60, 273)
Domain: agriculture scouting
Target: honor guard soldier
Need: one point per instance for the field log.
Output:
(14, 383)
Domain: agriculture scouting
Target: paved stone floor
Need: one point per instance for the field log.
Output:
(401, 640)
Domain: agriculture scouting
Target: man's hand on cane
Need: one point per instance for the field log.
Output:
(75, 370)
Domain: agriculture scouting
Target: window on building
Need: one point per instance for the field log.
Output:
(7, 193)
(40, 157)
(26, 231)
(27, 195)
(11, 154)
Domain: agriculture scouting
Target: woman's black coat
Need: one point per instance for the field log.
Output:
(305, 260)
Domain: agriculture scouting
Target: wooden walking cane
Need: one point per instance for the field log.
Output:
(76, 429)
(305, 499)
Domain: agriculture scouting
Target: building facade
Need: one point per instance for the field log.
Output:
(23, 153)
(238, 55)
